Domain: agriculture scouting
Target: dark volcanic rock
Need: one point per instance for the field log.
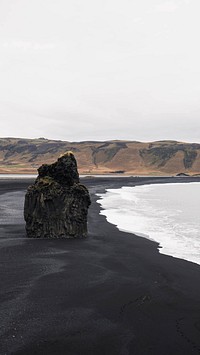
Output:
(182, 174)
(56, 205)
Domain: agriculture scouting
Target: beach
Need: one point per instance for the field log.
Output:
(112, 293)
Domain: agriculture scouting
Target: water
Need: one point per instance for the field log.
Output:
(11, 208)
(166, 213)
(33, 176)
(17, 176)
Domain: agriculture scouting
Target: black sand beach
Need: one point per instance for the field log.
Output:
(109, 294)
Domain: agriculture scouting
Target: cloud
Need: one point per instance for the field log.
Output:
(76, 70)
(29, 45)
(138, 20)
(168, 6)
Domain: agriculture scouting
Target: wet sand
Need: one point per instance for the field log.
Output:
(109, 294)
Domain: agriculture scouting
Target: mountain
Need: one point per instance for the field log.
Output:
(131, 157)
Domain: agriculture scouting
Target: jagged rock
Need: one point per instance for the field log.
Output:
(56, 205)
(182, 174)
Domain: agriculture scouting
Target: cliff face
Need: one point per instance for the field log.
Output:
(163, 157)
(56, 205)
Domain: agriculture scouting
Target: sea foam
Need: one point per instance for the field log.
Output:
(166, 213)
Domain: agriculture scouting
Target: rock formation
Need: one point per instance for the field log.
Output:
(56, 205)
(182, 175)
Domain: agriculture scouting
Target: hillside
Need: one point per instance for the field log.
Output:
(129, 157)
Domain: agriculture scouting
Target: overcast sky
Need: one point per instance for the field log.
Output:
(100, 69)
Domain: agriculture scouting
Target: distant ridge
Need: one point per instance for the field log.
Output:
(165, 157)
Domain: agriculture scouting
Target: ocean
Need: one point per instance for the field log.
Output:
(166, 213)
(11, 208)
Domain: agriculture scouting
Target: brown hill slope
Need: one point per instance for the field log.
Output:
(130, 157)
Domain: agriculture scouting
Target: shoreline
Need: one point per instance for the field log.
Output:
(111, 293)
(154, 212)
(100, 175)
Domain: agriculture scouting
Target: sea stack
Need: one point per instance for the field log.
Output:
(56, 205)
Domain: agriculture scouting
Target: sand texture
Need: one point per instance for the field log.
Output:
(109, 294)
